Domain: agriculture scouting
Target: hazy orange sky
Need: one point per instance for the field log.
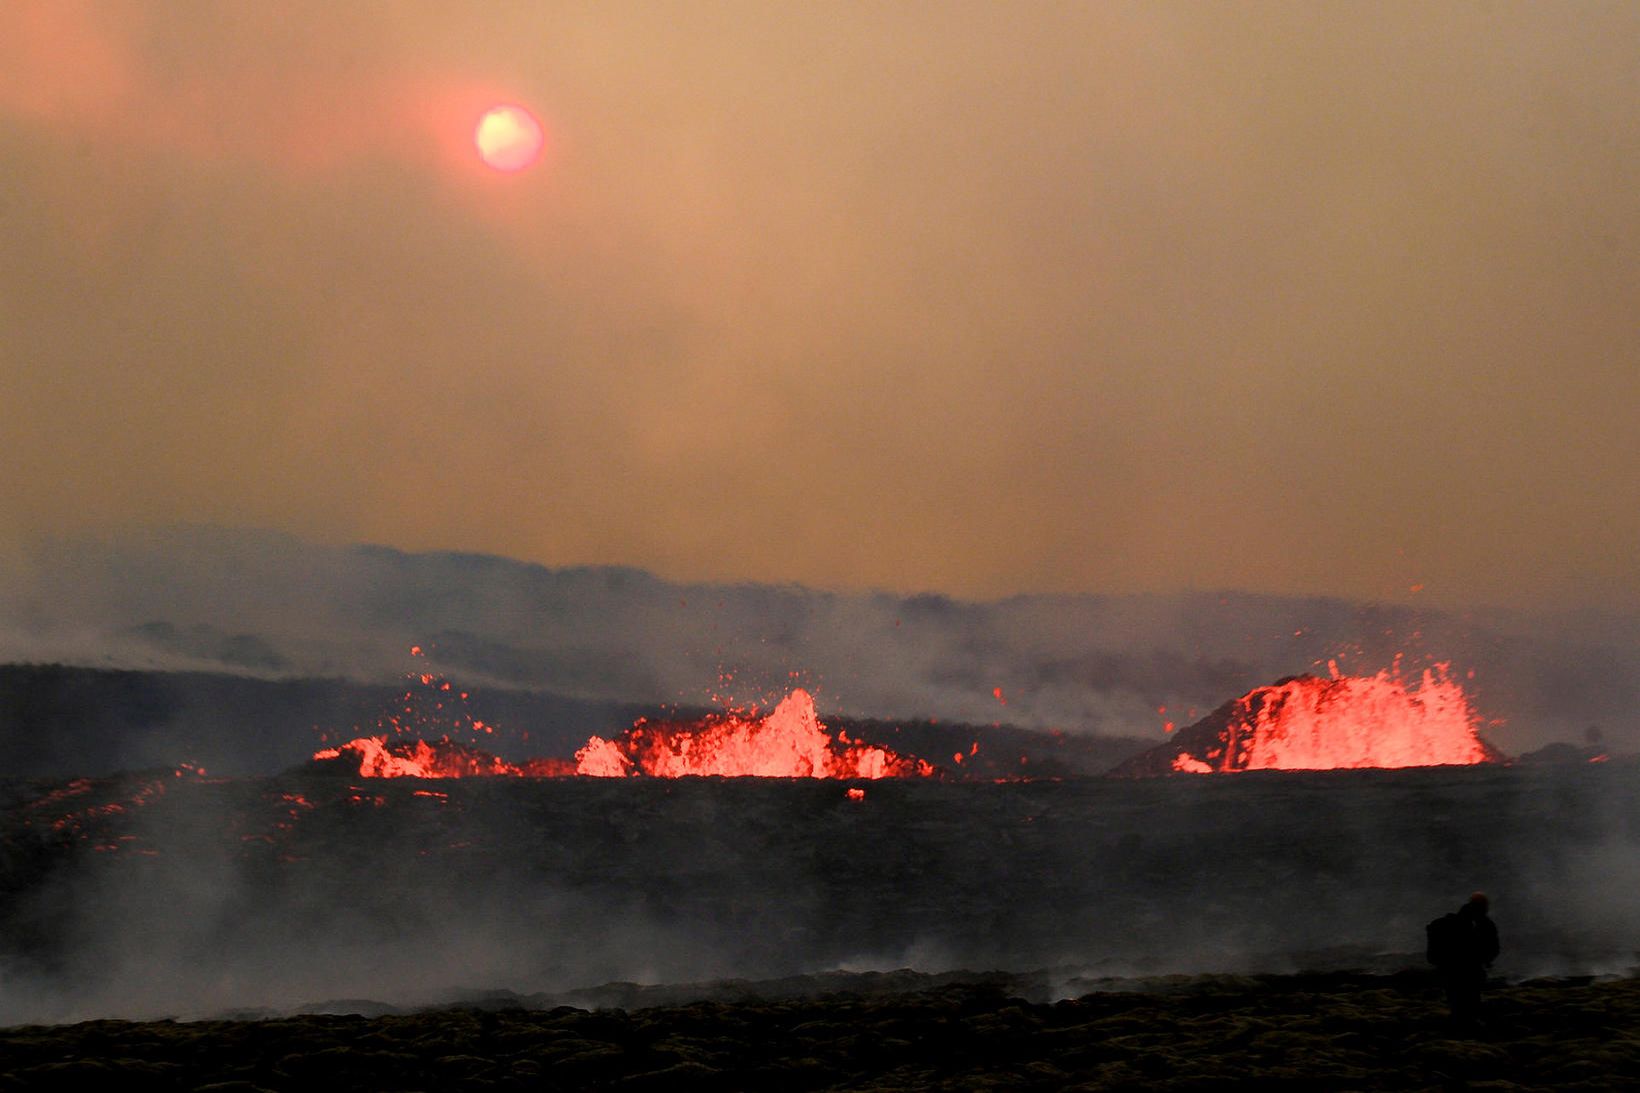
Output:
(978, 298)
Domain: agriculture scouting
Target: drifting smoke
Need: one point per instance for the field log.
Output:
(401, 867)
(273, 606)
(146, 896)
(150, 894)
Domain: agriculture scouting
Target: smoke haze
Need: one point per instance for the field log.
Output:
(1066, 299)
(276, 607)
(226, 896)
(1068, 366)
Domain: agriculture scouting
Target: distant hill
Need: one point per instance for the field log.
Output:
(273, 607)
(58, 721)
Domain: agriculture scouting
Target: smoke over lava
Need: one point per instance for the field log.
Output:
(1303, 722)
(1309, 723)
(318, 884)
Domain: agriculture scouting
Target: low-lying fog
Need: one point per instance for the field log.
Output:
(207, 897)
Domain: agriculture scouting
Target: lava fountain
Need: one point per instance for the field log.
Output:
(1310, 723)
(428, 733)
(788, 742)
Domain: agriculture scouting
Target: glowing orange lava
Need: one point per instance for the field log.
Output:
(1308, 723)
(789, 742)
(416, 738)
(379, 757)
(98, 806)
(414, 741)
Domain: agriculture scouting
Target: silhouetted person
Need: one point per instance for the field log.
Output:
(1462, 946)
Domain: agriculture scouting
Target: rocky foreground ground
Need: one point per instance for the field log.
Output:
(1268, 1032)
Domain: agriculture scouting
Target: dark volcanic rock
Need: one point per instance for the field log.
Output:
(1314, 1032)
(61, 721)
(1562, 752)
(152, 894)
(1198, 739)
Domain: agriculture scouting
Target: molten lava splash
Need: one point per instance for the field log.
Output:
(1308, 723)
(91, 810)
(790, 742)
(413, 740)
(431, 707)
(379, 757)
(420, 736)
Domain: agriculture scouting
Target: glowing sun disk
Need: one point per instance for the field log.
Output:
(508, 138)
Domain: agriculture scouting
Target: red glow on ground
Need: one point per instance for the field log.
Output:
(1307, 723)
(86, 810)
(788, 742)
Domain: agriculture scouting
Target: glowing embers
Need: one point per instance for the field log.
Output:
(788, 742)
(415, 739)
(94, 811)
(1308, 723)
(379, 757)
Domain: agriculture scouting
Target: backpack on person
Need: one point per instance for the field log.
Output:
(1447, 940)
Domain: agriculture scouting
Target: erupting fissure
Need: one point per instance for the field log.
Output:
(1310, 723)
(789, 742)
(379, 757)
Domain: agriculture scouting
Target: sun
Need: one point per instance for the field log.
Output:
(508, 138)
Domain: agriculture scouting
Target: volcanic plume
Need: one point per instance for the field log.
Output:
(1309, 723)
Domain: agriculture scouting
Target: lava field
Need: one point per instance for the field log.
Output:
(176, 894)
